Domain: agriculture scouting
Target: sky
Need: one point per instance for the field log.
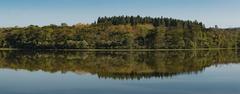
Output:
(224, 13)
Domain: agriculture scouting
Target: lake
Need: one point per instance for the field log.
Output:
(160, 72)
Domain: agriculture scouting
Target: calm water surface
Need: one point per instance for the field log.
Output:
(167, 72)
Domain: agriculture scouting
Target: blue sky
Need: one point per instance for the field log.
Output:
(225, 13)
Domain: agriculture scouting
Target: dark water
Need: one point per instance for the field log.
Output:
(167, 72)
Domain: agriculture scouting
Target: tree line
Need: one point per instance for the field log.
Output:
(121, 32)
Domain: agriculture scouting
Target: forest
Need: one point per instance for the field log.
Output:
(121, 32)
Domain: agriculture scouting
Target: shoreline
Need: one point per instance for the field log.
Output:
(120, 50)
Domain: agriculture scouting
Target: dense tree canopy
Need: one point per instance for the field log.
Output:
(122, 32)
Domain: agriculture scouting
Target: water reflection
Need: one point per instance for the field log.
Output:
(118, 65)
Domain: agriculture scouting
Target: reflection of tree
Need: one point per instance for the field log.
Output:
(118, 65)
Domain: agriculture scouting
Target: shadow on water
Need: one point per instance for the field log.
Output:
(118, 65)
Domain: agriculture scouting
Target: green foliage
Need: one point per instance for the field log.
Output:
(122, 32)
